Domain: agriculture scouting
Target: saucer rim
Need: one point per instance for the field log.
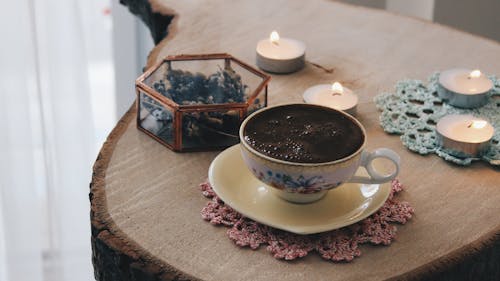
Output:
(302, 230)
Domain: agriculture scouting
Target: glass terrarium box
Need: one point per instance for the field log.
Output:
(197, 102)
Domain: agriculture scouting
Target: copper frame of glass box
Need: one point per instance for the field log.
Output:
(179, 110)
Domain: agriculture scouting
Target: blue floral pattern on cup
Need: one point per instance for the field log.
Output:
(299, 184)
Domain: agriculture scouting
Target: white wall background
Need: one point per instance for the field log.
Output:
(132, 43)
(480, 17)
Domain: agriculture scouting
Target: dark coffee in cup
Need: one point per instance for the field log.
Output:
(304, 133)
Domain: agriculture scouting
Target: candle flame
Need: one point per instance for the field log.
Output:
(475, 74)
(478, 124)
(274, 37)
(337, 88)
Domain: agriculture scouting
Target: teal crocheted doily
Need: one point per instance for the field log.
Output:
(415, 108)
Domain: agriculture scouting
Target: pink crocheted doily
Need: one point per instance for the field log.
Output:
(336, 245)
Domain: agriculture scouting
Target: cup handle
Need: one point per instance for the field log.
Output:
(375, 177)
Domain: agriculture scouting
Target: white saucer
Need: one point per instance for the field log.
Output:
(236, 186)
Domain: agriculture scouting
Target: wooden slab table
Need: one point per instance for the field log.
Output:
(145, 201)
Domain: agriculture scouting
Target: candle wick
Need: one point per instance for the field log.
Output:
(275, 43)
(470, 125)
(336, 94)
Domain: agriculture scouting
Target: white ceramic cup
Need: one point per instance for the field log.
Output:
(308, 182)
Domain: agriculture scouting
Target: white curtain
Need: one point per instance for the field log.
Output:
(56, 108)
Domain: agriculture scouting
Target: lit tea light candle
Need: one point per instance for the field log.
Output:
(335, 96)
(464, 135)
(280, 55)
(464, 88)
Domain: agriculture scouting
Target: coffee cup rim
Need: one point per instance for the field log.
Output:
(280, 161)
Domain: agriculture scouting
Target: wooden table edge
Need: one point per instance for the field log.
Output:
(113, 252)
(109, 242)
